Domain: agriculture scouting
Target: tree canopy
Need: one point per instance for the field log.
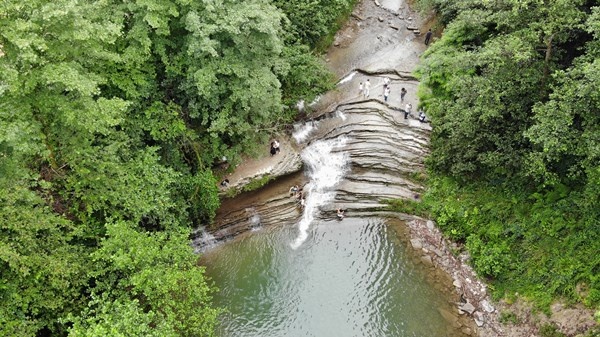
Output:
(112, 115)
(512, 91)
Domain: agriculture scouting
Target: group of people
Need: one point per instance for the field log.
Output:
(365, 88)
(296, 192)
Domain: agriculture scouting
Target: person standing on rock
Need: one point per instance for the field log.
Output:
(402, 94)
(386, 93)
(367, 88)
(407, 110)
(428, 37)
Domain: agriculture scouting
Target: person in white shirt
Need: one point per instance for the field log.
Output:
(367, 88)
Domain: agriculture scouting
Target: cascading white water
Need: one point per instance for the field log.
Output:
(254, 218)
(204, 241)
(341, 115)
(302, 131)
(348, 78)
(326, 165)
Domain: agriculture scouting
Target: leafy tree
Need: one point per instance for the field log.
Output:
(484, 77)
(150, 277)
(111, 116)
(41, 272)
(309, 22)
(512, 91)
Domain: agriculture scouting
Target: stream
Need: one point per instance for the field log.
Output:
(286, 269)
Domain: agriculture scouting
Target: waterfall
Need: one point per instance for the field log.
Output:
(254, 218)
(204, 240)
(347, 78)
(326, 165)
(302, 131)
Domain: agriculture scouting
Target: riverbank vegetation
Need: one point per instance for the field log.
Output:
(512, 91)
(112, 115)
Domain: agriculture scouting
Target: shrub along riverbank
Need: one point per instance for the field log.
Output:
(512, 91)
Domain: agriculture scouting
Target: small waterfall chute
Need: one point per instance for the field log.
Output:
(326, 165)
(204, 240)
(254, 218)
(302, 131)
(348, 78)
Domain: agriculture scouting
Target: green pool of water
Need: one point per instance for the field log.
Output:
(350, 278)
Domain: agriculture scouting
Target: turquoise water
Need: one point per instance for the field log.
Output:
(349, 278)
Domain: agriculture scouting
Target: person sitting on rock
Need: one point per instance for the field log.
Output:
(293, 190)
(422, 117)
(340, 213)
(225, 183)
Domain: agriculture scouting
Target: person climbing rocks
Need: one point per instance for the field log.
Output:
(402, 94)
(274, 147)
(293, 190)
(428, 37)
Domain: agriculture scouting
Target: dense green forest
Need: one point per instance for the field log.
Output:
(513, 91)
(112, 116)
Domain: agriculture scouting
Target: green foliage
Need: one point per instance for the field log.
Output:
(511, 89)
(41, 272)
(508, 317)
(549, 330)
(305, 77)
(314, 22)
(121, 319)
(408, 207)
(111, 116)
(484, 76)
(257, 183)
(204, 195)
(154, 272)
(492, 259)
(512, 238)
